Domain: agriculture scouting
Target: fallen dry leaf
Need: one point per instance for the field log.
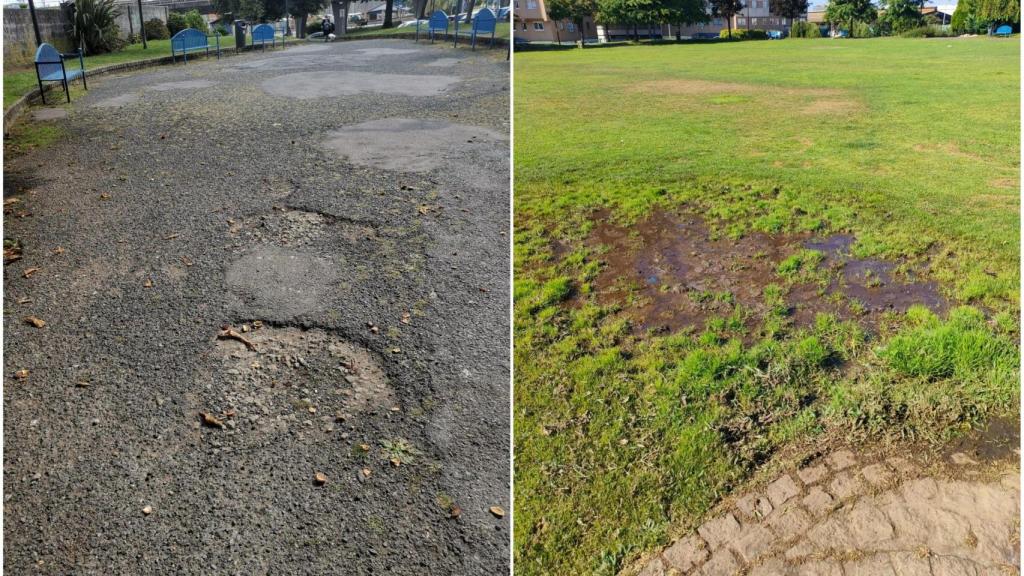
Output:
(320, 479)
(171, 237)
(12, 255)
(364, 447)
(29, 271)
(406, 318)
(24, 300)
(211, 420)
(366, 472)
(21, 374)
(148, 283)
(147, 510)
(228, 333)
(454, 511)
(498, 511)
(35, 321)
(104, 196)
(57, 251)
(396, 462)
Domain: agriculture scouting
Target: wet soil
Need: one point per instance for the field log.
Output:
(669, 272)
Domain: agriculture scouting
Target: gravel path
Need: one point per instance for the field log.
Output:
(846, 515)
(367, 292)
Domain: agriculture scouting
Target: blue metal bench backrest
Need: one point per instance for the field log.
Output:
(484, 22)
(263, 33)
(1004, 30)
(189, 39)
(438, 21)
(48, 61)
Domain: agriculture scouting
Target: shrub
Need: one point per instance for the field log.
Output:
(925, 32)
(92, 26)
(193, 19)
(156, 30)
(221, 30)
(864, 30)
(804, 30)
(744, 34)
(176, 22)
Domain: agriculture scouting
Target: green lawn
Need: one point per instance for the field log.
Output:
(912, 145)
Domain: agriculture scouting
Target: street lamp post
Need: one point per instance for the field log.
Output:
(142, 27)
(35, 23)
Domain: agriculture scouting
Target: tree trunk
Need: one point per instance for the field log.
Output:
(300, 25)
(344, 21)
(389, 7)
(636, 33)
(558, 37)
(336, 14)
(583, 36)
(728, 24)
(469, 12)
(420, 9)
(679, 32)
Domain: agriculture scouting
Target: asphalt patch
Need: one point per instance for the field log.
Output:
(310, 85)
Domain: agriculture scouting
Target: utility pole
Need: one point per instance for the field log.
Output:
(142, 26)
(35, 23)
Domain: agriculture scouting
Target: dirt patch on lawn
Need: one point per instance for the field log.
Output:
(831, 107)
(946, 148)
(693, 87)
(669, 272)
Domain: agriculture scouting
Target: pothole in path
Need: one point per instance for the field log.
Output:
(669, 272)
(117, 101)
(301, 228)
(289, 373)
(330, 83)
(281, 283)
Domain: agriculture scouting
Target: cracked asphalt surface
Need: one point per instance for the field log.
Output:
(191, 197)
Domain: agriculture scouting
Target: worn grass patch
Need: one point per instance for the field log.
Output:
(624, 438)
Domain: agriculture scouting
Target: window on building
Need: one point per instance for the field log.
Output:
(524, 26)
(570, 27)
(538, 26)
(759, 4)
(531, 4)
(517, 4)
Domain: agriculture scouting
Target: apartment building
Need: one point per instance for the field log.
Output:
(530, 22)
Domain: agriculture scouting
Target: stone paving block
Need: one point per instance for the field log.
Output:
(773, 567)
(685, 554)
(878, 475)
(801, 549)
(910, 564)
(818, 502)
(868, 526)
(790, 522)
(877, 565)
(754, 541)
(841, 460)
(846, 485)
(754, 506)
(812, 474)
(902, 466)
(953, 566)
(653, 568)
(722, 563)
(818, 568)
(782, 490)
(718, 531)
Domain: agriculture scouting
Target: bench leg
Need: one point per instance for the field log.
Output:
(84, 83)
(67, 90)
(42, 92)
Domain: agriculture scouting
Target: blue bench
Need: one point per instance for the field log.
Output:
(192, 40)
(775, 35)
(50, 68)
(1004, 31)
(438, 22)
(264, 33)
(485, 22)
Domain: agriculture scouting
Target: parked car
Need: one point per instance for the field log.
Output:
(412, 23)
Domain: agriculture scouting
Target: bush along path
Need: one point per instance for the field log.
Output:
(256, 317)
(846, 514)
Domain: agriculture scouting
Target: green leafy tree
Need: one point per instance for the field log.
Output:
(575, 11)
(999, 11)
(193, 19)
(791, 9)
(902, 15)
(726, 9)
(685, 13)
(156, 29)
(850, 12)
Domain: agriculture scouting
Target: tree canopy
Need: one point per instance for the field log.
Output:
(726, 9)
(788, 8)
(850, 12)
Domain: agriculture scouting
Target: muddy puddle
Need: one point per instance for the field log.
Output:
(669, 273)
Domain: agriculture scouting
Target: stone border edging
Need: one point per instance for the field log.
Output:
(498, 42)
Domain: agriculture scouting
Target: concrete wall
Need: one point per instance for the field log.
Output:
(20, 40)
(128, 21)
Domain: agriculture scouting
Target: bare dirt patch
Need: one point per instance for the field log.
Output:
(693, 87)
(668, 272)
(300, 228)
(946, 148)
(831, 107)
(310, 85)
